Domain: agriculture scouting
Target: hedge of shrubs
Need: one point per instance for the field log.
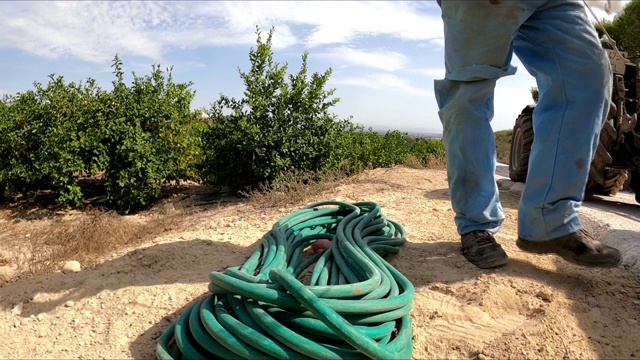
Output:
(138, 137)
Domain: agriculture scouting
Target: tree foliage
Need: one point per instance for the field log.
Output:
(148, 136)
(534, 94)
(281, 125)
(625, 29)
(361, 149)
(137, 137)
(50, 136)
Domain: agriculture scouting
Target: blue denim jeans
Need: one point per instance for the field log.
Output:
(559, 47)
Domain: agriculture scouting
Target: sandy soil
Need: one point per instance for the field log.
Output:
(535, 307)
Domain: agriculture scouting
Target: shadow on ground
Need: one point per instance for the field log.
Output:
(43, 204)
(601, 300)
(154, 265)
(599, 303)
(144, 346)
(622, 205)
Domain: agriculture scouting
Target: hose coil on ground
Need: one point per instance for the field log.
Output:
(355, 304)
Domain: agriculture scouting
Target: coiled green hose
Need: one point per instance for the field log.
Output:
(355, 306)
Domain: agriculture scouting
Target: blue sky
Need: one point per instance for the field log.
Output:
(384, 55)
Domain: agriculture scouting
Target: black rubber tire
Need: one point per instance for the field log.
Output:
(635, 185)
(603, 179)
(521, 142)
(614, 180)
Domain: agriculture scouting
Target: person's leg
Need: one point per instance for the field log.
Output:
(478, 51)
(560, 48)
(465, 111)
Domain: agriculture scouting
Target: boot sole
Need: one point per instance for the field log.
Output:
(549, 247)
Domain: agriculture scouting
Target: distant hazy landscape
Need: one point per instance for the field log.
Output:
(426, 133)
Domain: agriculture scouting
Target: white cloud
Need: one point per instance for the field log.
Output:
(342, 21)
(512, 94)
(95, 31)
(437, 41)
(435, 73)
(385, 60)
(55, 29)
(382, 81)
(608, 7)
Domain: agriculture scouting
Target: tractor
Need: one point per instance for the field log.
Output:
(616, 163)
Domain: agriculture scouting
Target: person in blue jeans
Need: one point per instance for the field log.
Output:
(559, 47)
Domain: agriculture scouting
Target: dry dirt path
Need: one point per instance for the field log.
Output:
(618, 216)
(535, 307)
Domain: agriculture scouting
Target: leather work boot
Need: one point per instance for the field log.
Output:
(482, 250)
(579, 248)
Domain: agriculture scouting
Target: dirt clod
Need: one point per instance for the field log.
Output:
(71, 267)
(7, 273)
(544, 296)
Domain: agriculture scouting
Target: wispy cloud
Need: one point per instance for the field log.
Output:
(385, 60)
(436, 73)
(607, 8)
(437, 42)
(382, 81)
(343, 21)
(55, 29)
(94, 31)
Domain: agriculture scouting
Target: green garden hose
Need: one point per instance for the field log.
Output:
(355, 306)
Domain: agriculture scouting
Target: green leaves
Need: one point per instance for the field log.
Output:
(150, 138)
(625, 29)
(140, 136)
(48, 139)
(281, 125)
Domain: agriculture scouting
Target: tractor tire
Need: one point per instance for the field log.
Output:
(603, 179)
(521, 141)
(614, 180)
(635, 185)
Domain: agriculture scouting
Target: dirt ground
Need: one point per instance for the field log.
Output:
(535, 307)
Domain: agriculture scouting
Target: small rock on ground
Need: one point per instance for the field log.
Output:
(71, 267)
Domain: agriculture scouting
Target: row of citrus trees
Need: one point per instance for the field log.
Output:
(138, 137)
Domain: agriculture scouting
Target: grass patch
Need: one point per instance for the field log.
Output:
(295, 188)
(84, 237)
(503, 145)
(433, 162)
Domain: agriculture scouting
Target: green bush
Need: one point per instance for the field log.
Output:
(137, 138)
(49, 137)
(280, 125)
(283, 126)
(426, 149)
(140, 136)
(625, 30)
(362, 149)
(149, 137)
